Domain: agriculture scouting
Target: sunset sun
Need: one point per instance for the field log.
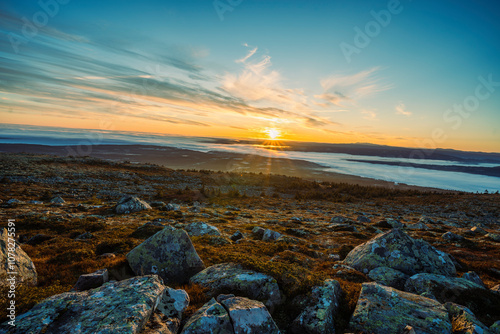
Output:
(273, 133)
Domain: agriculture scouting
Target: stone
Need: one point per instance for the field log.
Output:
(169, 254)
(92, 280)
(85, 236)
(478, 230)
(57, 200)
(270, 235)
(22, 264)
(171, 207)
(322, 305)
(118, 307)
(232, 278)
(211, 318)
(464, 321)
(473, 277)
(364, 220)
(173, 303)
(129, 204)
(394, 223)
(417, 226)
(249, 316)
(199, 228)
(382, 310)
(443, 287)
(426, 220)
(236, 236)
(450, 236)
(389, 277)
(258, 232)
(495, 328)
(493, 236)
(339, 220)
(38, 239)
(397, 250)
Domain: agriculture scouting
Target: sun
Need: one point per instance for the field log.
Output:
(273, 133)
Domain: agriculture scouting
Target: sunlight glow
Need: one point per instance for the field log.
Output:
(273, 133)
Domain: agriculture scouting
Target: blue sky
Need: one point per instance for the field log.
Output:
(186, 67)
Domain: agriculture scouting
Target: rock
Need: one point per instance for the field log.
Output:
(236, 236)
(394, 223)
(389, 277)
(21, 264)
(129, 204)
(169, 254)
(258, 232)
(397, 250)
(473, 277)
(270, 235)
(198, 228)
(493, 236)
(417, 226)
(444, 288)
(173, 303)
(211, 318)
(381, 310)
(364, 220)
(495, 328)
(57, 200)
(463, 320)
(318, 316)
(426, 220)
(339, 220)
(157, 204)
(14, 202)
(118, 307)
(171, 207)
(108, 255)
(92, 280)
(38, 239)
(147, 230)
(85, 236)
(249, 316)
(232, 278)
(478, 230)
(450, 236)
(343, 228)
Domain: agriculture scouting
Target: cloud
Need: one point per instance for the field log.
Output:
(401, 110)
(369, 114)
(250, 54)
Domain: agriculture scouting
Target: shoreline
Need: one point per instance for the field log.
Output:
(177, 158)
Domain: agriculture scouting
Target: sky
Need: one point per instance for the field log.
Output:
(404, 73)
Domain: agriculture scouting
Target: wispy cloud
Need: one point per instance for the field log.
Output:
(401, 110)
(369, 114)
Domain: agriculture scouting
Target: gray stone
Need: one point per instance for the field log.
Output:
(118, 307)
(394, 223)
(473, 277)
(464, 321)
(339, 220)
(171, 207)
(258, 232)
(249, 316)
(200, 228)
(395, 249)
(322, 305)
(389, 277)
(232, 278)
(478, 230)
(92, 280)
(236, 236)
(21, 264)
(211, 318)
(173, 303)
(57, 200)
(85, 236)
(129, 204)
(417, 226)
(364, 220)
(493, 236)
(450, 236)
(383, 310)
(169, 254)
(270, 235)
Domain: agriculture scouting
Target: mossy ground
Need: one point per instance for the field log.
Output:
(91, 187)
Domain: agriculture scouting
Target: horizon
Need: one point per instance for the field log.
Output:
(396, 73)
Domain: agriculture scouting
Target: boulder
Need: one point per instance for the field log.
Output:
(249, 316)
(394, 223)
(169, 254)
(171, 207)
(493, 236)
(385, 310)
(473, 277)
(397, 250)
(236, 236)
(129, 204)
(478, 230)
(173, 303)
(317, 317)
(270, 235)
(118, 307)
(57, 200)
(92, 280)
(21, 264)
(232, 278)
(258, 232)
(389, 277)
(464, 321)
(450, 236)
(199, 228)
(211, 318)
(364, 220)
(442, 287)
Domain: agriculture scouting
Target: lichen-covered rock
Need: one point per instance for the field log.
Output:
(385, 310)
(119, 307)
(473, 277)
(389, 277)
(442, 287)
(464, 321)
(57, 200)
(394, 223)
(169, 254)
(232, 278)
(173, 302)
(395, 249)
(450, 236)
(417, 226)
(211, 318)
(92, 280)
(129, 204)
(249, 316)
(21, 263)
(317, 317)
(200, 228)
(270, 235)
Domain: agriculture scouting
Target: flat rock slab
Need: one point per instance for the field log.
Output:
(397, 250)
(384, 310)
(21, 264)
(249, 316)
(169, 254)
(119, 307)
(232, 278)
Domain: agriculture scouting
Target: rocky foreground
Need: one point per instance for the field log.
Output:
(120, 248)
